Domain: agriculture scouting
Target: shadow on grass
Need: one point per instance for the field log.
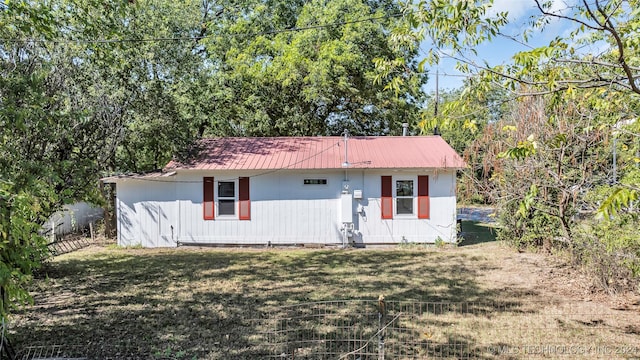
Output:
(201, 304)
(474, 232)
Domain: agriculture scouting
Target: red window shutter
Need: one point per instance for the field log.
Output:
(208, 205)
(386, 198)
(423, 197)
(244, 203)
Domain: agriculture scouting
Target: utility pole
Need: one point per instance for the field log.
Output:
(435, 106)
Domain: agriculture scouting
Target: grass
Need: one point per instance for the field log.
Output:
(474, 232)
(213, 303)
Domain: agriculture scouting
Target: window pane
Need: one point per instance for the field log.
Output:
(404, 206)
(404, 188)
(226, 189)
(226, 207)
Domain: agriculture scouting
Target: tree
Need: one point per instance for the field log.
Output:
(317, 78)
(573, 148)
(85, 89)
(25, 194)
(560, 69)
(456, 27)
(133, 63)
(463, 129)
(21, 248)
(612, 22)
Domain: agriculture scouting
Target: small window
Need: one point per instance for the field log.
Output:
(404, 197)
(226, 198)
(315, 181)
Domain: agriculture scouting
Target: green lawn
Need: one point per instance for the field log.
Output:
(470, 301)
(473, 232)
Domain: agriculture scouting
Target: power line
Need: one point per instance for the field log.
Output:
(198, 38)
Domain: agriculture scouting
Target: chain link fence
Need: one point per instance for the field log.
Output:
(389, 329)
(432, 330)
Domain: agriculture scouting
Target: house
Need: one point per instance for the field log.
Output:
(294, 191)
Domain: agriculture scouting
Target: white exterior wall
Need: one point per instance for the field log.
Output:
(408, 228)
(146, 212)
(283, 210)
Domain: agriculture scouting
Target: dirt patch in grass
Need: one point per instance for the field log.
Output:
(203, 303)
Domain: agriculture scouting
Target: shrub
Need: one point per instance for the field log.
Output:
(610, 251)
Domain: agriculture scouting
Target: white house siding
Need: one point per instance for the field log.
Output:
(283, 210)
(408, 228)
(146, 211)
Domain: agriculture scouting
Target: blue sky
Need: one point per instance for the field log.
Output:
(501, 49)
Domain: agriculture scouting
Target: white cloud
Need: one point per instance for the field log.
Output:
(561, 7)
(516, 8)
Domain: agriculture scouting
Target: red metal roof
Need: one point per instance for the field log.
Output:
(264, 153)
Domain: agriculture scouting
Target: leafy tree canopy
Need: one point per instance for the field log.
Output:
(597, 63)
(316, 79)
(565, 140)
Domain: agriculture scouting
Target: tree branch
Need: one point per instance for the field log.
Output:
(544, 12)
(610, 27)
(594, 62)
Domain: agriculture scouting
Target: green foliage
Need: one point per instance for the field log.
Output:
(542, 159)
(452, 25)
(611, 250)
(134, 90)
(543, 177)
(536, 229)
(459, 120)
(552, 195)
(560, 69)
(21, 248)
(522, 150)
(315, 82)
(527, 203)
(619, 198)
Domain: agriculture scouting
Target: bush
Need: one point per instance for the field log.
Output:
(610, 251)
(22, 250)
(537, 229)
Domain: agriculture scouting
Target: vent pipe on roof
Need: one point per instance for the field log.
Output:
(405, 128)
(345, 164)
(346, 149)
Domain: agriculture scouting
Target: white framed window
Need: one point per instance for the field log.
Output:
(404, 196)
(227, 197)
